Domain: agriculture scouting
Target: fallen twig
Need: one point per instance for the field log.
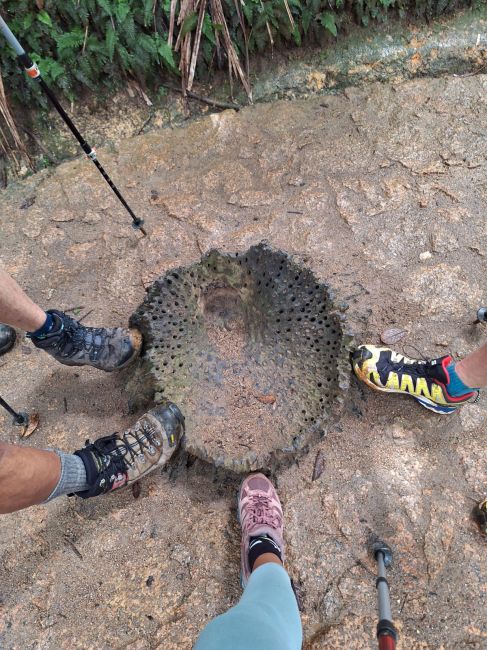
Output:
(471, 74)
(319, 466)
(69, 543)
(87, 314)
(205, 100)
(139, 131)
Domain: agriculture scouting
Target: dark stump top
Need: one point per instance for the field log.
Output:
(251, 348)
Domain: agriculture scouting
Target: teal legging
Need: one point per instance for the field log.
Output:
(266, 618)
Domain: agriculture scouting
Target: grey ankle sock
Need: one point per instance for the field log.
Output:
(73, 476)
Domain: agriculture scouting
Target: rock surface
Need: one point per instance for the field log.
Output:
(357, 189)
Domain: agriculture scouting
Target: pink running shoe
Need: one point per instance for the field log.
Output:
(259, 513)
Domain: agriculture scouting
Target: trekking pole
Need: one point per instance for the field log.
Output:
(386, 632)
(22, 419)
(19, 418)
(33, 72)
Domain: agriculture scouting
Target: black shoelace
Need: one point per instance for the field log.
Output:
(418, 370)
(75, 337)
(145, 439)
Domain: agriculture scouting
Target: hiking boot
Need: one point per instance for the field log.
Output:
(7, 338)
(121, 459)
(259, 513)
(427, 381)
(73, 344)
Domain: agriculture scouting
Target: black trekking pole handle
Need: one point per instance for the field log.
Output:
(33, 72)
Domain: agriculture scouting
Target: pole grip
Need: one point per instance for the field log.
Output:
(10, 38)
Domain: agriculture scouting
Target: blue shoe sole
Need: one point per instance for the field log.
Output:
(437, 408)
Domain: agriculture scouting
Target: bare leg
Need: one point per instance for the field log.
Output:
(108, 349)
(27, 476)
(16, 308)
(473, 369)
(265, 558)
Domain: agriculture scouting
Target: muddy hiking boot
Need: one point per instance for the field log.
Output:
(73, 344)
(426, 381)
(121, 459)
(7, 338)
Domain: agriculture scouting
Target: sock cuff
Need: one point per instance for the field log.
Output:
(45, 329)
(260, 545)
(72, 478)
(456, 387)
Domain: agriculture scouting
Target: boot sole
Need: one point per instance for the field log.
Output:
(136, 341)
(424, 401)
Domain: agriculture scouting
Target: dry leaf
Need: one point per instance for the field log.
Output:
(319, 466)
(30, 200)
(266, 399)
(155, 198)
(31, 426)
(392, 335)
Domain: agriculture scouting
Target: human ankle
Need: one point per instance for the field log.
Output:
(72, 476)
(266, 558)
(49, 325)
(459, 382)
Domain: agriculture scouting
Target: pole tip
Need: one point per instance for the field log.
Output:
(138, 224)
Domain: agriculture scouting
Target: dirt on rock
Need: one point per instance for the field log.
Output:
(380, 191)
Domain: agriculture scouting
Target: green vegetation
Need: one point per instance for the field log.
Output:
(98, 44)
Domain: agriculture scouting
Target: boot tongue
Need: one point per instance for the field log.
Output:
(436, 369)
(59, 321)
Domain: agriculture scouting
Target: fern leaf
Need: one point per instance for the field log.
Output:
(110, 40)
(167, 55)
(327, 19)
(122, 10)
(106, 6)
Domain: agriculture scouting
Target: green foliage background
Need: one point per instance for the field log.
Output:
(97, 44)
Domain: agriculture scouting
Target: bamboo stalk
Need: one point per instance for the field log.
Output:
(196, 44)
(18, 144)
(172, 16)
(291, 19)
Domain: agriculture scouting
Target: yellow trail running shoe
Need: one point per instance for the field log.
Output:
(427, 381)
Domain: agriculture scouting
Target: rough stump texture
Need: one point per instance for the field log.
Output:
(251, 349)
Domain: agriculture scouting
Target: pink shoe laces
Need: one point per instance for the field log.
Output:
(261, 512)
